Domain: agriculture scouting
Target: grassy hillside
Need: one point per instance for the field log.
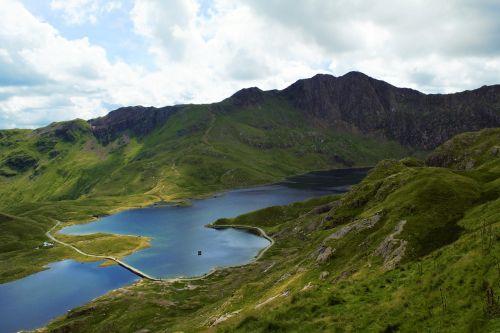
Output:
(196, 151)
(411, 248)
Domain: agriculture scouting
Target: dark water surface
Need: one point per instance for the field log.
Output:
(178, 233)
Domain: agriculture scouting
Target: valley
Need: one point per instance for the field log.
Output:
(418, 237)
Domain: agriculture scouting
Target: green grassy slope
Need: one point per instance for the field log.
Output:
(411, 248)
(198, 150)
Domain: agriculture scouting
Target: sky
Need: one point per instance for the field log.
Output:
(66, 59)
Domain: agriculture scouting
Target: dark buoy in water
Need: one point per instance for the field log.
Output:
(199, 253)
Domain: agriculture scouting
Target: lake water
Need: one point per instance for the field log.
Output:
(178, 233)
(32, 301)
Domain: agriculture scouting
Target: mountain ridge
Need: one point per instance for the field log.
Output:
(252, 137)
(356, 100)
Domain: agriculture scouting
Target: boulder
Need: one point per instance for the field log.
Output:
(325, 253)
(357, 225)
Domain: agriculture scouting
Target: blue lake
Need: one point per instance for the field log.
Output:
(177, 233)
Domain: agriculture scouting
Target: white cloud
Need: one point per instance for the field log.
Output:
(427, 45)
(434, 47)
(77, 12)
(204, 55)
(231, 48)
(170, 24)
(46, 77)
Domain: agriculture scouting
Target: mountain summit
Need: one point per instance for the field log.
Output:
(353, 101)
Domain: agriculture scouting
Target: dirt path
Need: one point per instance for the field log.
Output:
(207, 132)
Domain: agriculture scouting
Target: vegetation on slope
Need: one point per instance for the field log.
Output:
(195, 152)
(411, 248)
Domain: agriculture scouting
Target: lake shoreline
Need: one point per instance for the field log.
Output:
(153, 203)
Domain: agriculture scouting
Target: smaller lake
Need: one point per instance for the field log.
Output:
(177, 233)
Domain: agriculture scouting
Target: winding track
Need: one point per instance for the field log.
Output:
(141, 274)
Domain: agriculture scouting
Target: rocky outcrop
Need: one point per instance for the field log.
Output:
(272, 298)
(325, 253)
(356, 226)
(405, 115)
(224, 317)
(20, 161)
(344, 275)
(467, 150)
(134, 120)
(69, 131)
(392, 249)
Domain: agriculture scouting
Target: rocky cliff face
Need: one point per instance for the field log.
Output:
(405, 115)
(249, 96)
(134, 120)
(354, 101)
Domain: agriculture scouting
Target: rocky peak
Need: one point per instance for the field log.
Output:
(354, 101)
(412, 118)
(135, 120)
(247, 97)
(322, 82)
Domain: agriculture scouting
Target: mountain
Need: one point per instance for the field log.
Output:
(404, 115)
(412, 248)
(354, 101)
(252, 137)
